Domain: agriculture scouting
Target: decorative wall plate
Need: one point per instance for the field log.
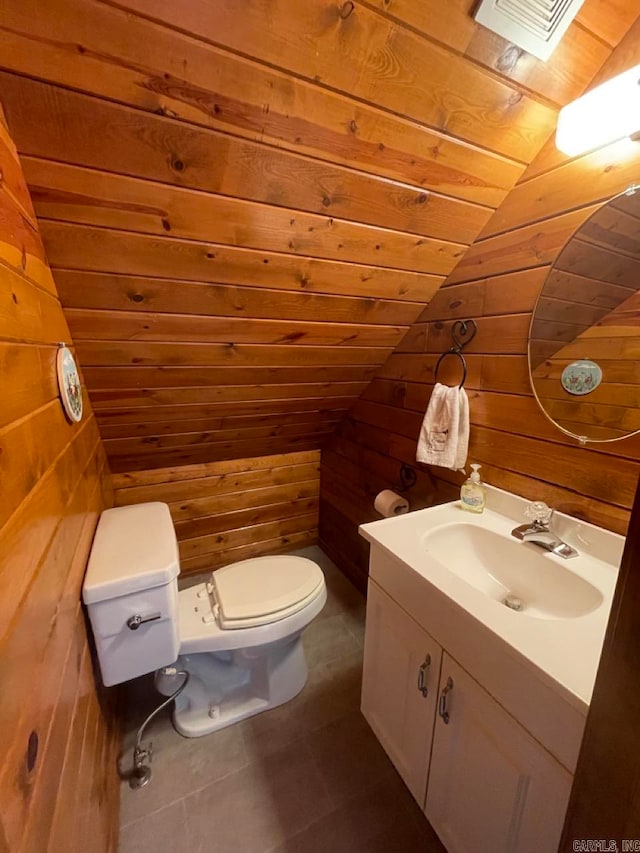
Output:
(581, 377)
(69, 384)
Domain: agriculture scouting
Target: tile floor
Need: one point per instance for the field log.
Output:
(307, 777)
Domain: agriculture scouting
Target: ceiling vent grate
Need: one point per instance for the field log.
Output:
(534, 25)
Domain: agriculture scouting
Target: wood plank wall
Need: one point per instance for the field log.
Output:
(58, 740)
(246, 206)
(605, 796)
(228, 511)
(497, 284)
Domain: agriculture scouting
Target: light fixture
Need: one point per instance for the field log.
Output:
(606, 114)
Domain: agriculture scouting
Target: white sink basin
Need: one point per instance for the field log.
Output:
(453, 565)
(512, 573)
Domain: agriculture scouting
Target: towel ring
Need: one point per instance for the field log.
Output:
(464, 366)
(462, 333)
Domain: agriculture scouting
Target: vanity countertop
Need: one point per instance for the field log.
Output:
(563, 650)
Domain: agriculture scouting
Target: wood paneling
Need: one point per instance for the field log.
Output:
(274, 191)
(71, 194)
(605, 798)
(497, 284)
(247, 213)
(359, 51)
(54, 484)
(227, 511)
(110, 292)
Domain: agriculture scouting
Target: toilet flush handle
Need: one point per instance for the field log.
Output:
(134, 622)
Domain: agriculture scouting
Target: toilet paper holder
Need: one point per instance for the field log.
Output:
(408, 478)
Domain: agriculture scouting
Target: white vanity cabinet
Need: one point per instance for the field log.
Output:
(496, 777)
(400, 687)
(491, 785)
(484, 782)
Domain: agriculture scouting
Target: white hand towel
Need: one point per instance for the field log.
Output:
(444, 435)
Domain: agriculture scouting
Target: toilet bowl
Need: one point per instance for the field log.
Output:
(238, 635)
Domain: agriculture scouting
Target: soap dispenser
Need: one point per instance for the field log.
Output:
(473, 494)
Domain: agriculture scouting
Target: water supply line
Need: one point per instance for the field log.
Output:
(141, 773)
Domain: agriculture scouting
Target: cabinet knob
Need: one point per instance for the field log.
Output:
(442, 710)
(422, 676)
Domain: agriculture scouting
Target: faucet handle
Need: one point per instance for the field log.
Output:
(539, 512)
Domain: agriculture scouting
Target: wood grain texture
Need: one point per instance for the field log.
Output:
(79, 195)
(497, 283)
(266, 181)
(200, 83)
(610, 807)
(365, 54)
(55, 483)
(226, 511)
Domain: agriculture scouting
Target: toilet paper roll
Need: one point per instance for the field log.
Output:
(388, 503)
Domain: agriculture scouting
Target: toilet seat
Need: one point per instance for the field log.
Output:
(200, 631)
(262, 590)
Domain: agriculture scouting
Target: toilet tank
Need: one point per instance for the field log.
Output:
(131, 591)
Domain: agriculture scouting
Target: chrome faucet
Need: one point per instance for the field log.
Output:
(539, 532)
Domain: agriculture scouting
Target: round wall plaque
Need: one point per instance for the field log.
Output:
(69, 384)
(581, 377)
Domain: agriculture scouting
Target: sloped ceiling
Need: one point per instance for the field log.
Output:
(246, 206)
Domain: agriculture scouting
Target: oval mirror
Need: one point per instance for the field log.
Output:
(584, 341)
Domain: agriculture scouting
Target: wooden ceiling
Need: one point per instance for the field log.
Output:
(245, 208)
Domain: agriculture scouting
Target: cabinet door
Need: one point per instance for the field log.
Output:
(491, 786)
(400, 687)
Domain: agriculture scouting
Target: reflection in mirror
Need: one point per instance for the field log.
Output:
(589, 310)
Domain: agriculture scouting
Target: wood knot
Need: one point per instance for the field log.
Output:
(32, 751)
(177, 165)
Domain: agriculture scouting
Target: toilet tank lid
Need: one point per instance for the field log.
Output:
(134, 548)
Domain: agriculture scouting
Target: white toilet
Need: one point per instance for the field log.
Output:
(238, 635)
